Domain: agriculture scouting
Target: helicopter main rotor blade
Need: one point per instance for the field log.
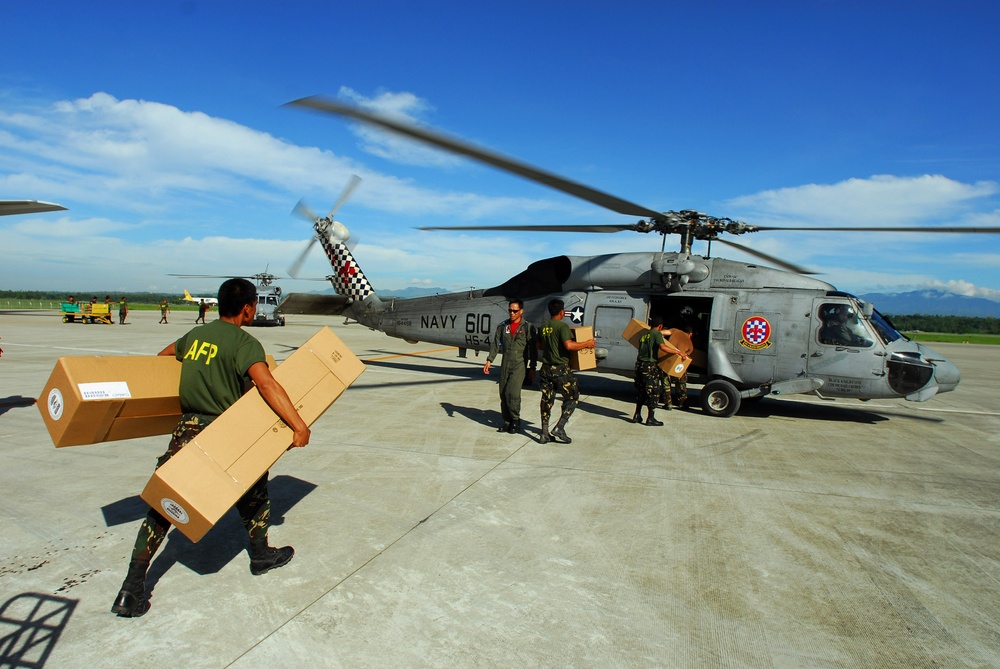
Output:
(505, 163)
(348, 189)
(763, 256)
(539, 228)
(888, 229)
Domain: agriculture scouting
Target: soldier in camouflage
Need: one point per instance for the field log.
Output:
(648, 375)
(218, 362)
(555, 341)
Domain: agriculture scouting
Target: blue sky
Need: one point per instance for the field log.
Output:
(161, 126)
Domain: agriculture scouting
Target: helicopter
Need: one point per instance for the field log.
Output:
(757, 330)
(268, 296)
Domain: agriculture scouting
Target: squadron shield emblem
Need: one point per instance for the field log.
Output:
(756, 333)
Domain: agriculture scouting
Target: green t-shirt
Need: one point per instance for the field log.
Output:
(552, 335)
(214, 361)
(649, 346)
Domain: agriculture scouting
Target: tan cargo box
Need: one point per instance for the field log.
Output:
(199, 484)
(89, 400)
(103, 398)
(585, 358)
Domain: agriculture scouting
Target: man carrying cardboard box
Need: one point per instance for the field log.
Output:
(555, 340)
(218, 360)
(648, 375)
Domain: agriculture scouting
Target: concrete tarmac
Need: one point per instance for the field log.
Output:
(799, 533)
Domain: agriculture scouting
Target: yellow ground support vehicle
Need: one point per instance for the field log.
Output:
(86, 313)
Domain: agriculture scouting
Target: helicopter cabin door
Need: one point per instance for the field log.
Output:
(610, 320)
(843, 350)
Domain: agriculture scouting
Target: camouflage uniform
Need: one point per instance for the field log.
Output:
(553, 378)
(675, 391)
(254, 506)
(648, 383)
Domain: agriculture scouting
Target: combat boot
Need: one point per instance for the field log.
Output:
(559, 432)
(637, 417)
(131, 601)
(514, 427)
(651, 418)
(264, 558)
(545, 437)
(504, 428)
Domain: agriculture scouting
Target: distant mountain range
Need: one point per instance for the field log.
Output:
(413, 291)
(932, 303)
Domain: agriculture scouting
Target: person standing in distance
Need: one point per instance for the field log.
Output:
(218, 360)
(555, 341)
(515, 339)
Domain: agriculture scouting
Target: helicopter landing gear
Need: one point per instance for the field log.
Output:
(720, 398)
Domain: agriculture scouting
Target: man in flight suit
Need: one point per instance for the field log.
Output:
(555, 341)
(515, 339)
(218, 361)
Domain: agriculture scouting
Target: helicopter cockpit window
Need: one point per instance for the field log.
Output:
(841, 326)
(884, 328)
(271, 299)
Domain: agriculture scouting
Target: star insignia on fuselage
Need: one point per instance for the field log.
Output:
(576, 314)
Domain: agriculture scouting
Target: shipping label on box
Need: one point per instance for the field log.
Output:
(585, 358)
(208, 476)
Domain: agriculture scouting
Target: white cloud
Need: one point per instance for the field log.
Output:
(391, 146)
(877, 201)
(964, 288)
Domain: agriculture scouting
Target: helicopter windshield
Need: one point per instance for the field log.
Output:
(884, 328)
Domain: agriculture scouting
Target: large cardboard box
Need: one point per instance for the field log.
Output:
(89, 400)
(585, 358)
(199, 484)
(634, 330)
(672, 365)
(103, 398)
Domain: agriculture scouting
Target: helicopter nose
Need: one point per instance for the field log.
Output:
(946, 374)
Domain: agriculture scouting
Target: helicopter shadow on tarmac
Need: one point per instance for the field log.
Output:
(222, 543)
(786, 407)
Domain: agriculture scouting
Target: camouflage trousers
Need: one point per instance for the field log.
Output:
(254, 507)
(558, 378)
(648, 383)
(675, 390)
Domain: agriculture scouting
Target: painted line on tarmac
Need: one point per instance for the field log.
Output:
(411, 355)
(72, 348)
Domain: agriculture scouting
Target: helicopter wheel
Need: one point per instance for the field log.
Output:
(720, 398)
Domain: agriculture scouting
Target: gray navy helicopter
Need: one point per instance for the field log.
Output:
(268, 295)
(757, 330)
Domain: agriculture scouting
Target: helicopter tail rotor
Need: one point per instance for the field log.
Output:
(320, 225)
